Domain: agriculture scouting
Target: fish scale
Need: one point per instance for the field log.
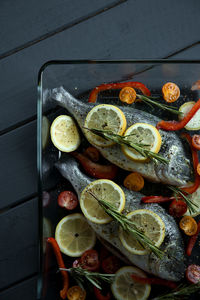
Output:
(178, 172)
(171, 266)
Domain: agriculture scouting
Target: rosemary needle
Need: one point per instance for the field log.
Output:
(148, 100)
(182, 292)
(80, 275)
(123, 140)
(129, 226)
(191, 205)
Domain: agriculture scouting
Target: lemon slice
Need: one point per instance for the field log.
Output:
(150, 224)
(145, 134)
(74, 235)
(64, 134)
(104, 117)
(105, 190)
(195, 198)
(125, 288)
(194, 123)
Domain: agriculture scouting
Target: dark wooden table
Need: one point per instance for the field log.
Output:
(33, 32)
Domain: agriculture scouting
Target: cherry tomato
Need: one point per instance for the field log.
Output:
(68, 200)
(171, 92)
(127, 95)
(177, 208)
(92, 153)
(193, 273)
(188, 225)
(101, 294)
(111, 264)
(196, 141)
(76, 293)
(134, 181)
(90, 260)
(76, 263)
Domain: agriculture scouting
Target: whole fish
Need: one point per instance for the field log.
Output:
(171, 266)
(178, 172)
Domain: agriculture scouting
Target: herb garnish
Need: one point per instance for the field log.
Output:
(182, 292)
(123, 140)
(129, 226)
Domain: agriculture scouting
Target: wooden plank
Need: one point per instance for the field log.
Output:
(18, 247)
(23, 290)
(24, 22)
(115, 36)
(18, 164)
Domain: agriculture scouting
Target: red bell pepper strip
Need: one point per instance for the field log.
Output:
(156, 199)
(103, 87)
(60, 262)
(94, 169)
(174, 125)
(191, 189)
(193, 240)
(156, 281)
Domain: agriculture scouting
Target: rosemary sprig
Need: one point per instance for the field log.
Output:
(129, 226)
(123, 140)
(191, 205)
(95, 278)
(148, 100)
(182, 292)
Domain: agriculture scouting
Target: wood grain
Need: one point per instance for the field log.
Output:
(21, 291)
(126, 31)
(25, 22)
(18, 247)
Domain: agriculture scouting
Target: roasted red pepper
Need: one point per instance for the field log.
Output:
(94, 169)
(155, 280)
(60, 262)
(115, 86)
(174, 125)
(193, 240)
(191, 189)
(156, 199)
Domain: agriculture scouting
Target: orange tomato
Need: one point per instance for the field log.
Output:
(127, 95)
(76, 293)
(134, 181)
(171, 92)
(188, 225)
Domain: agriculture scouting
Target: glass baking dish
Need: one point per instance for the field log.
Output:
(79, 78)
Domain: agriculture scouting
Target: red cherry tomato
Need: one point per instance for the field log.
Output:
(193, 273)
(68, 200)
(177, 208)
(76, 263)
(196, 141)
(101, 295)
(111, 264)
(90, 260)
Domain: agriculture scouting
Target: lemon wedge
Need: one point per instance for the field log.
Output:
(64, 134)
(194, 123)
(104, 117)
(150, 224)
(74, 235)
(125, 288)
(144, 134)
(102, 189)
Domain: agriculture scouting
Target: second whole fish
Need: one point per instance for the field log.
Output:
(171, 266)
